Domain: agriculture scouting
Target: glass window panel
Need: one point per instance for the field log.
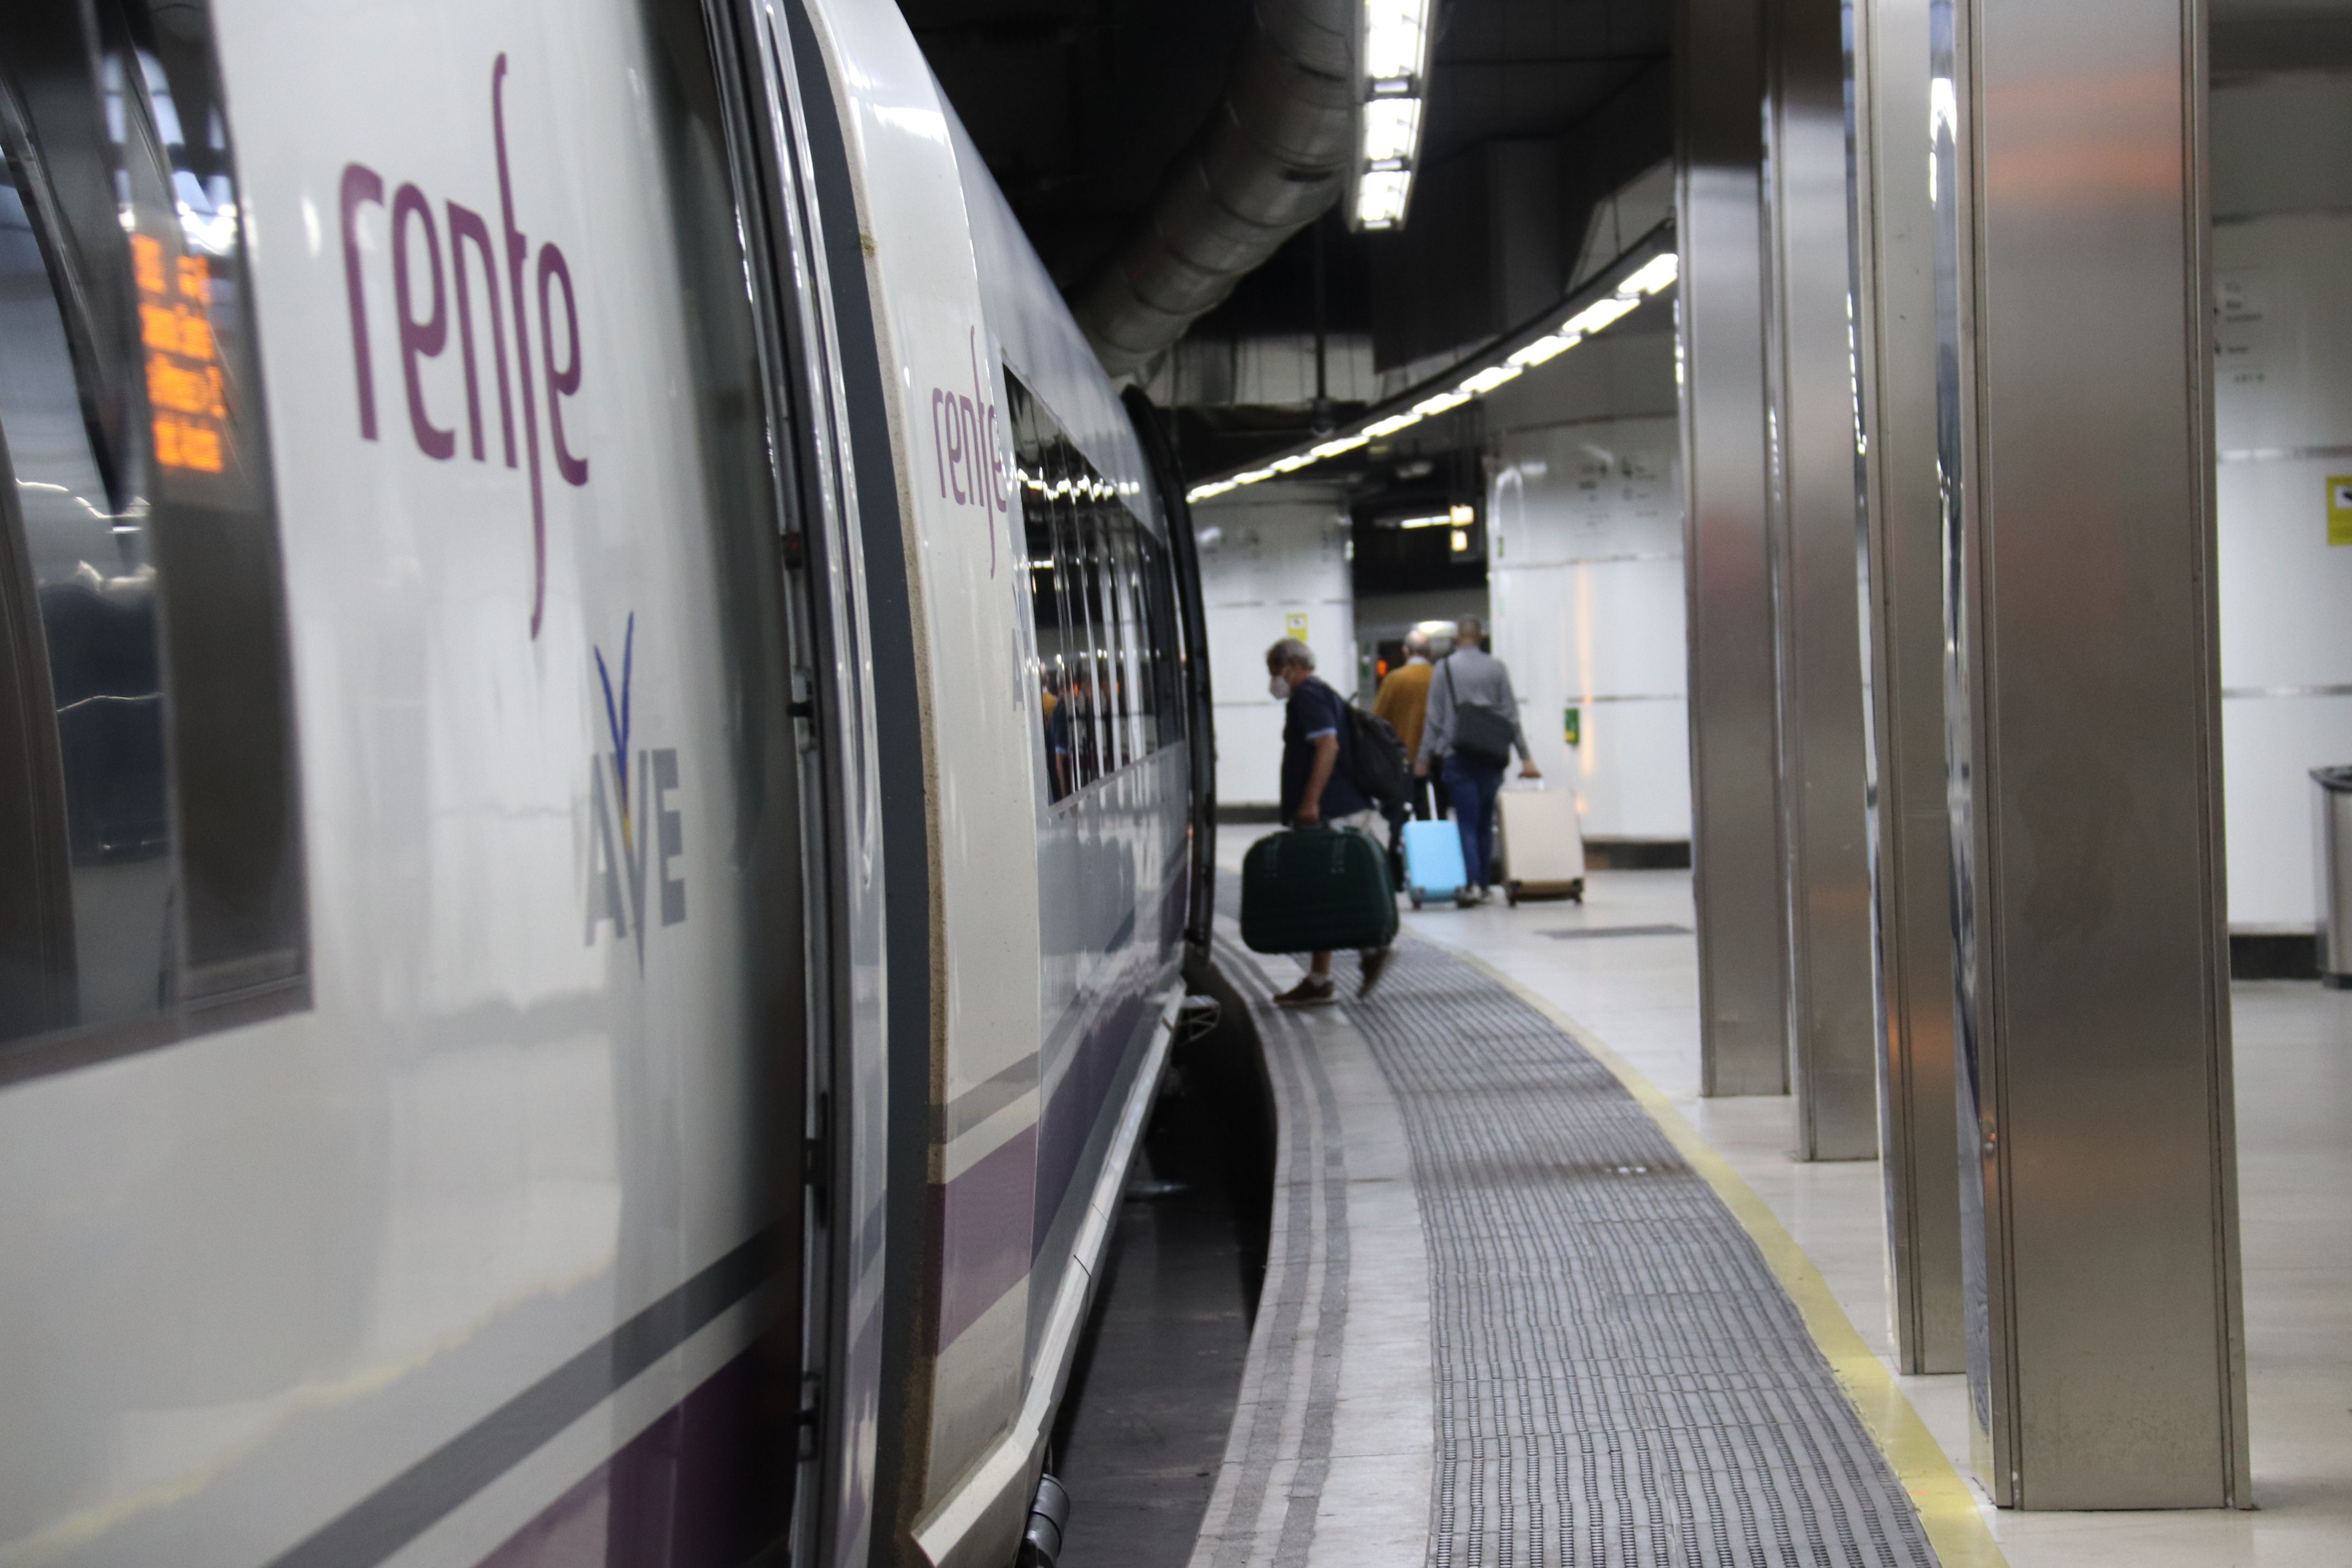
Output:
(1175, 718)
(1045, 595)
(145, 700)
(1140, 704)
(1102, 610)
(1078, 609)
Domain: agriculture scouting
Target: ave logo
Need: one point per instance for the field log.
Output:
(636, 836)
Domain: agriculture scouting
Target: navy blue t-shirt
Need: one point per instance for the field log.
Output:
(1315, 709)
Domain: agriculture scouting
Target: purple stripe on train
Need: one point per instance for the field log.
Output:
(982, 1217)
(705, 1486)
(981, 1240)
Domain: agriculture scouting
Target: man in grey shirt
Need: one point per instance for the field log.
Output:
(1471, 730)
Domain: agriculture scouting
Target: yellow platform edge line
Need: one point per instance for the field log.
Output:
(1948, 1509)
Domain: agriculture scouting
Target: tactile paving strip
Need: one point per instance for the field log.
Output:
(1620, 1381)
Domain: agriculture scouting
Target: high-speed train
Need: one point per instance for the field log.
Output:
(604, 786)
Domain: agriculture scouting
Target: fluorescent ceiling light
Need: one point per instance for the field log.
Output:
(1486, 380)
(1597, 315)
(1655, 275)
(1462, 513)
(1394, 31)
(1543, 349)
(1438, 521)
(1391, 129)
(1381, 196)
(1647, 280)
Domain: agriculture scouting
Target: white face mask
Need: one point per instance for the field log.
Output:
(1280, 685)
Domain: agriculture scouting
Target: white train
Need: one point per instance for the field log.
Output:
(604, 767)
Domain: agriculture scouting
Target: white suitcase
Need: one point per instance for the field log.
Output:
(1541, 844)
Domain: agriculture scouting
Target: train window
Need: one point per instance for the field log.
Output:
(1139, 712)
(1102, 605)
(148, 803)
(1048, 613)
(1156, 588)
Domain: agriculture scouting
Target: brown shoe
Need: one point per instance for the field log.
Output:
(1310, 992)
(1376, 964)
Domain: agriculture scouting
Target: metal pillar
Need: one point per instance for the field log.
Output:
(2106, 1355)
(1814, 510)
(1903, 612)
(1735, 812)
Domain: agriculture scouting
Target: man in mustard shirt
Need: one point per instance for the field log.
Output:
(1404, 701)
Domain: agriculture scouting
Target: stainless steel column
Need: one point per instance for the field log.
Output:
(2106, 1355)
(1903, 613)
(1735, 812)
(1815, 510)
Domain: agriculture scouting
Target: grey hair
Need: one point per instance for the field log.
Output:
(1287, 652)
(1416, 641)
(1475, 625)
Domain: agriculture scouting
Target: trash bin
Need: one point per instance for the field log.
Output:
(2335, 876)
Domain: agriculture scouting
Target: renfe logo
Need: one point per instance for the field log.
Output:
(963, 449)
(415, 247)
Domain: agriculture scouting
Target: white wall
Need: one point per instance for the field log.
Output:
(1585, 574)
(1268, 553)
(1585, 578)
(2282, 418)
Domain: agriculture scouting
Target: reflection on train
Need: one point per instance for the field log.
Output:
(599, 757)
(1104, 602)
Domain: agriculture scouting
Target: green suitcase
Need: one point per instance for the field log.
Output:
(1316, 889)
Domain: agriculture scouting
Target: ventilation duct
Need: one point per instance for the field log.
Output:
(1272, 158)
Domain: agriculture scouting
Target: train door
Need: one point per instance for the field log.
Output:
(1199, 710)
(804, 262)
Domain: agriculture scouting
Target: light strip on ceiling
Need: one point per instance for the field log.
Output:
(1593, 314)
(1388, 104)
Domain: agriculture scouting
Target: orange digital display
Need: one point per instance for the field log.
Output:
(184, 373)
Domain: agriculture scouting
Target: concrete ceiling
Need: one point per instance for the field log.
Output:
(1080, 107)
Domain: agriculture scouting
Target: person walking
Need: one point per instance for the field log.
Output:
(1318, 789)
(1471, 729)
(1404, 701)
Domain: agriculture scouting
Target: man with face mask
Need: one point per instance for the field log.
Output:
(1317, 788)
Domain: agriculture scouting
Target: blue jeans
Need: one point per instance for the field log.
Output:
(1473, 786)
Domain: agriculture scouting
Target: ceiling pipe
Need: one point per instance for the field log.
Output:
(1270, 161)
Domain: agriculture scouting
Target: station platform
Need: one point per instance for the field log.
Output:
(1529, 1300)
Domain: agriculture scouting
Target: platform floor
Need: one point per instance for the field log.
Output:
(1389, 1355)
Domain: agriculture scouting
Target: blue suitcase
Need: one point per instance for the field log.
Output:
(1433, 861)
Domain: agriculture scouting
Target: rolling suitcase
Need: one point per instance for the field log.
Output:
(1316, 889)
(1433, 861)
(1541, 844)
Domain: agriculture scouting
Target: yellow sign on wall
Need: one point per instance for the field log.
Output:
(1294, 625)
(2339, 509)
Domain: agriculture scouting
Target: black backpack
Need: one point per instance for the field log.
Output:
(1376, 759)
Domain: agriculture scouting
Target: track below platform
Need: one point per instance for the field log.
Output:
(1152, 1396)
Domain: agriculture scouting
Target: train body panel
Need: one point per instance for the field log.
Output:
(646, 871)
